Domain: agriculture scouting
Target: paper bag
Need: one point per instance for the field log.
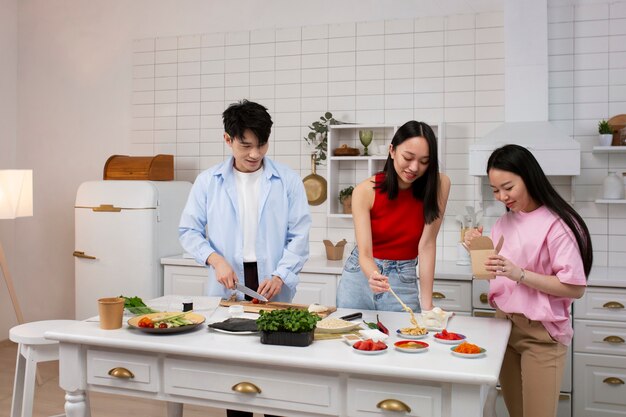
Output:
(480, 249)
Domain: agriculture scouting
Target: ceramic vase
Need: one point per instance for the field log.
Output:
(613, 186)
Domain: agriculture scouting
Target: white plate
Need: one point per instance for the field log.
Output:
(482, 354)
(398, 347)
(410, 336)
(231, 332)
(369, 352)
(343, 329)
(450, 342)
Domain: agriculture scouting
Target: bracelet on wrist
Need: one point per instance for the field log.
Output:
(522, 276)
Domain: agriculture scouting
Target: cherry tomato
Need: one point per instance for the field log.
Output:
(255, 301)
(163, 326)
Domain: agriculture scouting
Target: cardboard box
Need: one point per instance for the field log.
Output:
(480, 249)
(334, 252)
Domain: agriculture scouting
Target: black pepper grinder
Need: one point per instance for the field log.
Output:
(187, 304)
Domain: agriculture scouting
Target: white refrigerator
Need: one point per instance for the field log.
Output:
(122, 230)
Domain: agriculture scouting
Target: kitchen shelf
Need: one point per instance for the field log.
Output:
(609, 149)
(605, 201)
(345, 171)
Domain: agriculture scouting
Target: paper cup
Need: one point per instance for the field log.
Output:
(111, 311)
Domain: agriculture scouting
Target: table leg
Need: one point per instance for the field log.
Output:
(77, 404)
(490, 403)
(18, 385)
(174, 409)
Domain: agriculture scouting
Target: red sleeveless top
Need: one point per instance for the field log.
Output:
(397, 225)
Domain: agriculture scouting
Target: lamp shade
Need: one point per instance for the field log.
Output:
(16, 193)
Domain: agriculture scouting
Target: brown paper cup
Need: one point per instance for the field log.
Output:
(111, 311)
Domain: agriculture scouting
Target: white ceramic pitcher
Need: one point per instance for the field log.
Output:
(613, 186)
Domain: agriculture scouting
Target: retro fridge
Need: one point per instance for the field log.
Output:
(122, 230)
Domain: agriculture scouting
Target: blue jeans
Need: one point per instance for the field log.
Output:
(354, 290)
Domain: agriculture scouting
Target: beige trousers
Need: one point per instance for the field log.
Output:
(532, 369)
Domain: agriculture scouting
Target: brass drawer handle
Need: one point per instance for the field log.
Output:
(393, 405)
(121, 373)
(613, 339)
(613, 304)
(484, 314)
(438, 296)
(246, 388)
(80, 254)
(107, 208)
(613, 381)
(483, 298)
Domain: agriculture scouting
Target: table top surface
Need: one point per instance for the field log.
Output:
(437, 364)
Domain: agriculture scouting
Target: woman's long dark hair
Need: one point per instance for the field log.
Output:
(520, 161)
(426, 187)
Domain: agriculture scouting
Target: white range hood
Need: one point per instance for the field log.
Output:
(526, 96)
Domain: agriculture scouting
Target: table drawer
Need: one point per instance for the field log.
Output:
(599, 384)
(601, 304)
(123, 370)
(480, 294)
(313, 393)
(453, 295)
(365, 397)
(606, 337)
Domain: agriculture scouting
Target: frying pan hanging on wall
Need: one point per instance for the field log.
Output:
(315, 186)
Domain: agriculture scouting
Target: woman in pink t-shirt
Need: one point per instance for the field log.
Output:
(540, 269)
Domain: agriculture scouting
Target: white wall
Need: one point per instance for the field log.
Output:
(8, 136)
(74, 103)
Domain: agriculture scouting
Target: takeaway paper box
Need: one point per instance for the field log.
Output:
(480, 248)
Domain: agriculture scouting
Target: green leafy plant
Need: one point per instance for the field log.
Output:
(604, 128)
(318, 136)
(136, 305)
(345, 193)
(289, 320)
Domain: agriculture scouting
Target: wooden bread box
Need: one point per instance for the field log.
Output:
(153, 168)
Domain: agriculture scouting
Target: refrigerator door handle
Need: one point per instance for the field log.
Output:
(107, 208)
(80, 254)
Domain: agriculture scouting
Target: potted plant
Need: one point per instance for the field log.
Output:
(318, 136)
(345, 198)
(606, 133)
(291, 327)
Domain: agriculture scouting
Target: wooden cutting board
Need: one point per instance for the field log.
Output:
(249, 307)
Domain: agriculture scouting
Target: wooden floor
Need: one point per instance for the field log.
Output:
(49, 398)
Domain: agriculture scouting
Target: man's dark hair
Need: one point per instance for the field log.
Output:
(247, 115)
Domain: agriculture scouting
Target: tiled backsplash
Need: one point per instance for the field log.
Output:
(438, 69)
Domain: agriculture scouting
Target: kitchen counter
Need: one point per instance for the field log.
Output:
(326, 378)
(318, 264)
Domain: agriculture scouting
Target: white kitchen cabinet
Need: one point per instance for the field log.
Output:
(184, 280)
(345, 171)
(186, 277)
(600, 353)
(453, 296)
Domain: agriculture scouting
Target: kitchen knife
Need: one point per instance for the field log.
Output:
(250, 292)
(352, 316)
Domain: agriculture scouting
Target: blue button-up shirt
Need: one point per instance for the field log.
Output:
(210, 223)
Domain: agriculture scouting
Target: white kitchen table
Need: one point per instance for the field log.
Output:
(326, 378)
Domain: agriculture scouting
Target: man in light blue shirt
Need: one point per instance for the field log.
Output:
(247, 218)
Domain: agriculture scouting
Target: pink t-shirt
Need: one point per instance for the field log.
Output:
(540, 242)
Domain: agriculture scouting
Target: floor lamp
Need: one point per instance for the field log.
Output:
(16, 200)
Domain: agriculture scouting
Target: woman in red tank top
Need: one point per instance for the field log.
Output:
(397, 215)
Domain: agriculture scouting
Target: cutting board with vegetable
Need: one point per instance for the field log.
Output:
(250, 307)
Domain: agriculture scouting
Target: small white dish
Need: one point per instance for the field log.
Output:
(235, 310)
(483, 353)
(402, 346)
(450, 342)
(370, 352)
(411, 336)
(350, 339)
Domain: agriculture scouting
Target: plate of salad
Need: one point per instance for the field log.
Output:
(166, 322)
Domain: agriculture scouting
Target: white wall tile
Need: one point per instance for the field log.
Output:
(394, 71)
(428, 39)
(369, 43)
(165, 70)
(460, 37)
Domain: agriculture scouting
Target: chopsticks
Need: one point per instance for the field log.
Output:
(405, 307)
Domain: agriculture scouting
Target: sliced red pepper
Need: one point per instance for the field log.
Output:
(381, 326)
